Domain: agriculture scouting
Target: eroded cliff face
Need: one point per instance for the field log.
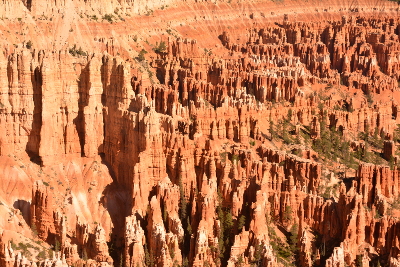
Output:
(15, 9)
(275, 146)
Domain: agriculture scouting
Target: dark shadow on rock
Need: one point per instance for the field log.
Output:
(25, 208)
(79, 121)
(32, 147)
(117, 200)
(27, 4)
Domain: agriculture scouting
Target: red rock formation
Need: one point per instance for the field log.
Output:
(163, 158)
(7, 257)
(134, 242)
(42, 211)
(158, 246)
(389, 150)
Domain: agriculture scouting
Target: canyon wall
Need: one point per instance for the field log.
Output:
(191, 155)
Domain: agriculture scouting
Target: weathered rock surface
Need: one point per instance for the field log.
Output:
(186, 155)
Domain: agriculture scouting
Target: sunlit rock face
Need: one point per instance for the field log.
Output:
(170, 133)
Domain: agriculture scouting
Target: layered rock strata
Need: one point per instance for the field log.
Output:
(173, 160)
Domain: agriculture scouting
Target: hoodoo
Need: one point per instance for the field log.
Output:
(199, 133)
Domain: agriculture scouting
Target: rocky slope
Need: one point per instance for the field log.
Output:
(199, 134)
